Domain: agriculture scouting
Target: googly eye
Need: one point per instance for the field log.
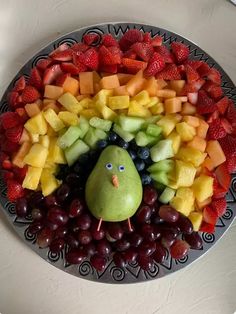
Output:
(121, 168)
(109, 166)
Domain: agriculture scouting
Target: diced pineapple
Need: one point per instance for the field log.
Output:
(185, 173)
(34, 138)
(167, 123)
(105, 111)
(52, 91)
(102, 96)
(189, 154)
(137, 110)
(90, 113)
(18, 159)
(186, 131)
(118, 102)
(203, 187)
(181, 205)
(176, 140)
(69, 102)
(53, 120)
(51, 167)
(51, 132)
(68, 118)
(158, 108)
(142, 98)
(201, 205)
(87, 103)
(48, 182)
(44, 140)
(37, 125)
(56, 154)
(32, 178)
(153, 102)
(36, 156)
(196, 220)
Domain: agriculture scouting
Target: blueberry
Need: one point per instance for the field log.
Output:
(132, 153)
(101, 144)
(133, 145)
(146, 179)
(148, 161)
(122, 143)
(139, 164)
(112, 137)
(143, 153)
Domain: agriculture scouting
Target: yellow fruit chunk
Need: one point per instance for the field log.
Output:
(86, 82)
(137, 110)
(185, 173)
(142, 98)
(157, 109)
(71, 85)
(32, 109)
(196, 220)
(53, 92)
(216, 153)
(68, 118)
(153, 101)
(166, 93)
(89, 113)
(52, 106)
(183, 201)
(208, 163)
(105, 111)
(172, 105)
(55, 154)
(188, 108)
(18, 159)
(168, 124)
(25, 137)
(198, 143)
(203, 187)
(177, 85)
(120, 91)
(53, 120)
(48, 182)
(176, 140)
(69, 102)
(102, 96)
(118, 102)
(202, 128)
(34, 138)
(86, 103)
(51, 167)
(201, 205)
(189, 154)
(135, 84)
(37, 125)
(191, 120)
(36, 156)
(32, 178)
(51, 132)
(110, 82)
(186, 132)
(161, 84)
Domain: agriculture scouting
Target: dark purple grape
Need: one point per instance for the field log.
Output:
(156, 219)
(75, 256)
(149, 195)
(90, 249)
(157, 231)
(179, 249)
(51, 201)
(57, 216)
(145, 262)
(37, 213)
(168, 213)
(125, 226)
(44, 237)
(84, 221)
(122, 245)
(84, 237)
(109, 238)
(61, 232)
(22, 207)
(76, 208)
(146, 248)
(103, 247)
(73, 179)
(166, 229)
(51, 225)
(143, 214)
(168, 239)
(36, 226)
(130, 255)
(184, 224)
(36, 199)
(115, 231)
(71, 241)
(194, 240)
(63, 192)
(57, 245)
(97, 234)
(135, 239)
(119, 260)
(160, 253)
(147, 231)
(98, 262)
(72, 225)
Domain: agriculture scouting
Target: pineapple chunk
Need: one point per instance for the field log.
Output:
(69, 102)
(51, 167)
(186, 131)
(55, 154)
(90, 113)
(18, 159)
(53, 120)
(167, 123)
(118, 102)
(185, 173)
(196, 220)
(183, 201)
(34, 138)
(153, 102)
(102, 96)
(176, 140)
(31, 180)
(189, 154)
(37, 125)
(157, 109)
(137, 110)
(142, 98)
(87, 103)
(68, 118)
(36, 156)
(203, 187)
(48, 182)
(44, 140)
(105, 111)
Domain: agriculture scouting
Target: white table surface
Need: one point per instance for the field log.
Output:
(29, 285)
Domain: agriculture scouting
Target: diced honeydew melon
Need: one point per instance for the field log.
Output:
(153, 119)
(131, 124)
(162, 150)
(69, 137)
(160, 176)
(163, 165)
(125, 135)
(167, 195)
(159, 186)
(142, 139)
(73, 152)
(102, 124)
(154, 130)
(83, 125)
(93, 135)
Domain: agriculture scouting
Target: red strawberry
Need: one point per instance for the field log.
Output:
(51, 74)
(218, 190)
(213, 116)
(30, 94)
(147, 38)
(109, 41)
(61, 79)
(205, 104)
(79, 47)
(70, 68)
(214, 76)
(8, 146)
(227, 126)
(222, 104)
(156, 41)
(215, 92)
(3, 156)
(90, 38)
(130, 37)
(130, 54)
(231, 164)
(216, 130)
(223, 176)
(133, 66)
(231, 112)
(43, 64)
(7, 175)
(165, 53)
(63, 56)
(191, 74)
(20, 173)
(205, 227)
(10, 120)
(219, 206)
(209, 215)
(62, 47)
(105, 56)
(77, 62)
(204, 69)
(195, 64)
(192, 98)
(12, 99)
(90, 59)
(181, 51)
(14, 134)
(108, 68)
(192, 87)
(143, 50)
(116, 52)
(155, 64)
(6, 164)
(22, 114)
(170, 72)
(14, 190)
(228, 145)
(20, 84)
(35, 79)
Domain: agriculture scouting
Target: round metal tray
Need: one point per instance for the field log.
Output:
(132, 273)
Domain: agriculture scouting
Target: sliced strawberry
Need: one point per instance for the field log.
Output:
(22, 114)
(143, 50)
(205, 227)
(205, 104)
(214, 76)
(14, 190)
(12, 99)
(51, 74)
(7, 175)
(8, 146)
(147, 38)
(62, 47)
(79, 47)
(133, 66)
(30, 94)
(218, 190)
(10, 120)
(204, 69)
(216, 130)
(222, 104)
(213, 116)
(191, 74)
(61, 79)
(14, 134)
(228, 144)
(155, 64)
(231, 164)
(192, 98)
(130, 54)
(90, 59)
(108, 68)
(130, 37)
(219, 206)
(43, 64)
(231, 112)
(227, 126)
(20, 84)
(157, 41)
(35, 79)
(195, 64)
(165, 53)
(6, 164)
(20, 173)
(215, 91)
(192, 87)
(90, 38)
(63, 56)
(70, 68)
(3, 156)
(107, 55)
(109, 41)
(116, 52)
(77, 62)
(170, 72)
(223, 176)
(209, 215)
(181, 51)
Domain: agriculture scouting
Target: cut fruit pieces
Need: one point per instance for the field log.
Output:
(185, 173)
(160, 177)
(68, 118)
(102, 124)
(125, 135)
(53, 120)
(48, 182)
(216, 153)
(69, 137)
(142, 139)
(167, 195)
(166, 165)
(162, 150)
(32, 178)
(153, 130)
(73, 152)
(37, 125)
(196, 220)
(203, 187)
(69, 102)
(36, 156)
(131, 124)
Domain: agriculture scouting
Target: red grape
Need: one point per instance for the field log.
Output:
(130, 255)
(76, 208)
(168, 213)
(57, 216)
(103, 247)
(149, 195)
(194, 240)
(135, 239)
(21, 207)
(71, 241)
(179, 249)
(119, 260)
(122, 245)
(44, 237)
(63, 192)
(84, 221)
(184, 224)
(57, 245)
(37, 213)
(51, 201)
(36, 199)
(145, 262)
(36, 226)
(97, 234)
(115, 231)
(61, 232)
(98, 262)
(168, 239)
(148, 232)
(90, 249)
(75, 256)
(143, 214)
(160, 253)
(146, 248)
(84, 237)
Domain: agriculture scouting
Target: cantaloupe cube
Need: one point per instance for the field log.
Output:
(86, 82)
(120, 91)
(71, 104)
(176, 140)
(71, 85)
(166, 93)
(177, 85)
(97, 88)
(48, 101)
(137, 110)
(118, 102)
(202, 128)
(25, 137)
(52, 91)
(186, 131)
(96, 77)
(188, 108)
(196, 220)
(208, 163)
(68, 118)
(90, 113)
(105, 111)
(32, 178)
(151, 86)
(142, 98)
(32, 109)
(182, 98)
(172, 105)
(18, 159)
(191, 120)
(203, 187)
(52, 106)
(215, 152)
(124, 78)
(36, 156)
(198, 143)
(37, 125)
(135, 84)
(48, 182)
(110, 82)
(157, 109)
(161, 84)
(201, 205)
(53, 120)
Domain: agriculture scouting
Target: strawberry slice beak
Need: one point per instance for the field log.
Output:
(115, 181)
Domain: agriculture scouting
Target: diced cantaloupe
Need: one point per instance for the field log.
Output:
(203, 187)
(118, 102)
(176, 140)
(172, 105)
(53, 92)
(124, 78)
(52, 106)
(48, 101)
(31, 180)
(215, 152)
(110, 82)
(161, 84)
(151, 86)
(177, 85)
(18, 159)
(37, 125)
(182, 98)
(166, 93)
(71, 104)
(208, 163)
(32, 109)
(71, 85)
(137, 110)
(120, 91)
(36, 156)
(196, 220)
(186, 131)
(201, 205)
(68, 118)
(25, 137)
(96, 77)
(86, 82)
(198, 143)
(157, 109)
(48, 182)
(188, 108)
(202, 128)
(191, 120)
(135, 84)
(142, 98)
(53, 120)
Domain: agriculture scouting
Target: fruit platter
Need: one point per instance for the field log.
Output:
(118, 153)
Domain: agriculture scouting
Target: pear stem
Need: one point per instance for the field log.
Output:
(130, 226)
(99, 224)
